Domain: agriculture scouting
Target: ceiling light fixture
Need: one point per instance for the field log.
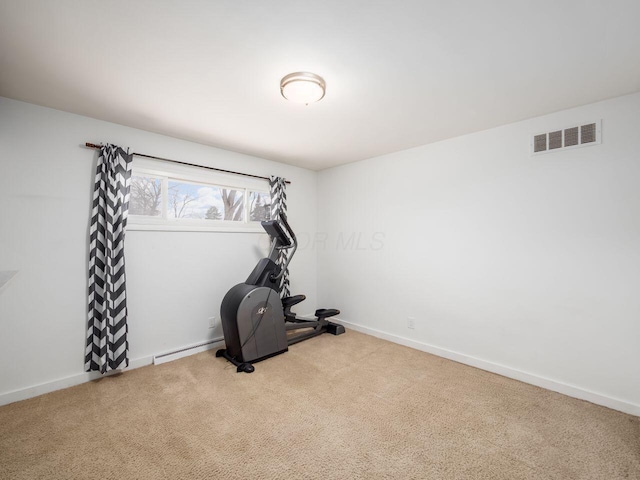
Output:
(302, 87)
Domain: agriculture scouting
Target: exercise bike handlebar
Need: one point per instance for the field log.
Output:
(285, 222)
(294, 246)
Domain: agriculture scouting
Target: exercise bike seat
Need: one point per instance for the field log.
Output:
(326, 312)
(291, 301)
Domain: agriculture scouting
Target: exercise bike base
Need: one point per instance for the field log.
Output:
(246, 367)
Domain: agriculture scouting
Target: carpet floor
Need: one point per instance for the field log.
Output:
(346, 407)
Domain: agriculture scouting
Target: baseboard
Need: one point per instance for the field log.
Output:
(66, 382)
(186, 351)
(554, 385)
(73, 380)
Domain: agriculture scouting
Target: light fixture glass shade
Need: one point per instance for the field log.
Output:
(302, 87)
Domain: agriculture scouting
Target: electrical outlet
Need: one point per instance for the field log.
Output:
(212, 322)
(411, 322)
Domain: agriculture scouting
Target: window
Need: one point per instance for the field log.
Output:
(189, 198)
(204, 202)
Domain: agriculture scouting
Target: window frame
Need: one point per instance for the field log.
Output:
(166, 172)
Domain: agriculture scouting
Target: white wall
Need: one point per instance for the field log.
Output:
(529, 266)
(176, 280)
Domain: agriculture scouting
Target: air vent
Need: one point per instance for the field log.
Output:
(570, 137)
(588, 133)
(540, 143)
(555, 140)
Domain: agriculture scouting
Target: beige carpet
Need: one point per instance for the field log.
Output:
(344, 407)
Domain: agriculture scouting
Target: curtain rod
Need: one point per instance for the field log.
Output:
(93, 145)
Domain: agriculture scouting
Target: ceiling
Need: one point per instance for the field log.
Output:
(399, 73)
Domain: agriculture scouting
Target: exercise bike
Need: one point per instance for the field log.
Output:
(257, 324)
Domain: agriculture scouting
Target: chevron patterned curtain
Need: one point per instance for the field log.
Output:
(278, 205)
(107, 346)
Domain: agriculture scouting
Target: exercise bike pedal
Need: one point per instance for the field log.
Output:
(323, 313)
(291, 301)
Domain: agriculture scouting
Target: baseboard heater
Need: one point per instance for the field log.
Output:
(186, 351)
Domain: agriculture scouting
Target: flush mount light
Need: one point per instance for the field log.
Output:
(302, 87)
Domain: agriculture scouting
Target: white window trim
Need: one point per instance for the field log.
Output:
(165, 171)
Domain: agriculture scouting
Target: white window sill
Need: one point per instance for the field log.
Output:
(189, 227)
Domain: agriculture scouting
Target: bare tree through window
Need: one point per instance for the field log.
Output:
(179, 202)
(184, 199)
(233, 201)
(145, 196)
